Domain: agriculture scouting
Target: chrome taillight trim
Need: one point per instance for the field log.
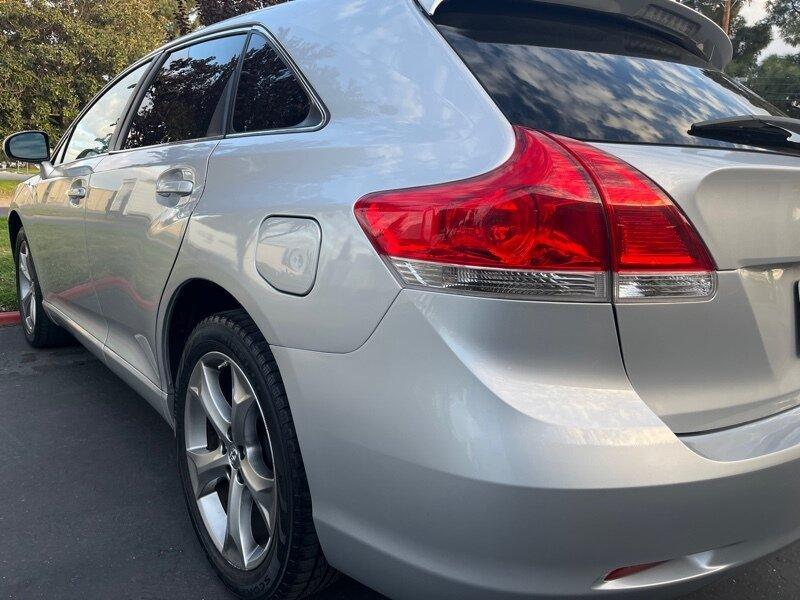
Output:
(556, 286)
(504, 283)
(661, 287)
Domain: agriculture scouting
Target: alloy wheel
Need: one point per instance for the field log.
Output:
(27, 289)
(230, 459)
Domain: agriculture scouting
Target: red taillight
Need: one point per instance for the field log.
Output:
(537, 227)
(539, 211)
(649, 234)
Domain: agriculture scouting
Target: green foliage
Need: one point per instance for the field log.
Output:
(778, 80)
(715, 9)
(213, 11)
(785, 14)
(55, 56)
(749, 41)
(8, 280)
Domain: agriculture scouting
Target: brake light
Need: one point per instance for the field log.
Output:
(537, 227)
(656, 252)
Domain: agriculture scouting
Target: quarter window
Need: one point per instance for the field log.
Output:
(185, 100)
(269, 95)
(93, 132)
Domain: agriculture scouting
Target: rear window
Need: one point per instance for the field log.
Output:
(591, 77)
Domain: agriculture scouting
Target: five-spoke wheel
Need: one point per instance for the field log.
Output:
(39, 330)
(230, 460)
(239, 460)
(27, 289)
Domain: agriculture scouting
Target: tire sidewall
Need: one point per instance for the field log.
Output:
(31, 336)
(262, 581)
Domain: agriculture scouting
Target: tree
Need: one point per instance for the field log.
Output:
(183, 17)
(213, 11)
(55, 56)
(785, 14)
(778, 81)
(749, 41)
(722, 12)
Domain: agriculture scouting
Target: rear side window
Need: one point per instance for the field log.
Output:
(185, 100)
(594, 78)
(269, 95)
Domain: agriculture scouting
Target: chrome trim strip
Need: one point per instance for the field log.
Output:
(519, 284)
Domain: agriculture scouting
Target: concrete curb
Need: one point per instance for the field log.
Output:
(10, 318)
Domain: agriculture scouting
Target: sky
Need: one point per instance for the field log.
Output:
(756, 11)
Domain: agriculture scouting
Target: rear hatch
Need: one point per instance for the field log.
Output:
(635, 92)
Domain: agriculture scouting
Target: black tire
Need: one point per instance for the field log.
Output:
(44, 333)
(294, 566)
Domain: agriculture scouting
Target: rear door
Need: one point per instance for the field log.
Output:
(635, 92)
(143, 194)
(54, 224)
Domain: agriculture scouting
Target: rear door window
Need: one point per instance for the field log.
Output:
(269, 96)
(185, 100)
(594, 78)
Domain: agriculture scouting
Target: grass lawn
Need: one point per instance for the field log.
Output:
(7, 188)
(8, 282)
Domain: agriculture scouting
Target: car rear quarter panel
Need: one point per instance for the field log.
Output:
(732, 359)
(403, 112)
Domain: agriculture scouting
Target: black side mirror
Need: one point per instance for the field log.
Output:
(28, 146)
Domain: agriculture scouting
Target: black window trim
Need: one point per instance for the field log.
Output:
(160, 56)
(63, 143)
(130, 111)
(318, 108)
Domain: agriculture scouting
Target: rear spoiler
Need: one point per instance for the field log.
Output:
(667, 15)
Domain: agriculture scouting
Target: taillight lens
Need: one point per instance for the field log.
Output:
(656, 252)
(536, 227)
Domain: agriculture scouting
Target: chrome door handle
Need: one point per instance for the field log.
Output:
(178, 187)
(76, 194)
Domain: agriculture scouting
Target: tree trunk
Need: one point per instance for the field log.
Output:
(726, 19)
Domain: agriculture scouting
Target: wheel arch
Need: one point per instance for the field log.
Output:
(192, 301)
(14, 227)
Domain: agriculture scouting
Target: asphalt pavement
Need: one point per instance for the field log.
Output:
(91, 506)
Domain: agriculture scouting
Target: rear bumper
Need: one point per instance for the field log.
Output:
(479, 448)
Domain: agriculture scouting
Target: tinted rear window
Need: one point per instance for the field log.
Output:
(594, 78)
(269, 96)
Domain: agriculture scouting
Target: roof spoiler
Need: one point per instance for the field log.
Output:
(667, 15)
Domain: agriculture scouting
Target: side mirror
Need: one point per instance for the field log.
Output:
(28, 146)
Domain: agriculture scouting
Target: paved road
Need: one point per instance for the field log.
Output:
(91, 508)
(17, 176)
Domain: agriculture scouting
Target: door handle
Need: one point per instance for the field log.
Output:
(177, 187)
(76, 194)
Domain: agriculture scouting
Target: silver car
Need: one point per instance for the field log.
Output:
(464, 299)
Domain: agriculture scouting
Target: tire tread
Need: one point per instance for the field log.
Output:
(306, 572)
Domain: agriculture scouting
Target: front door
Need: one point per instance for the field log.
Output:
(143, 195)
(54, 228)
(54, 222)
